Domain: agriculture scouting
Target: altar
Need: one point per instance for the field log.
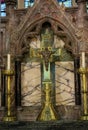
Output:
(44, 66)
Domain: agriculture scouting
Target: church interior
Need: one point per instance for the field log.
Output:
(49, 37)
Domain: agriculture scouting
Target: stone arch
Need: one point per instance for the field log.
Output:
(39, 14)
(58, 24)
(33, 27)
(39, 23)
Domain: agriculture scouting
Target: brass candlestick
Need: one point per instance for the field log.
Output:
(83, 72)
(9, 114)
(48, 112)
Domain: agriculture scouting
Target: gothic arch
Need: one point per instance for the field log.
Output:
(35, 19)
(64, 31)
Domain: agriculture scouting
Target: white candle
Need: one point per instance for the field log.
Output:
(8, 61)
(83, 59)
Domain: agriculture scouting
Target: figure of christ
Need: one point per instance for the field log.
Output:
(46, 54)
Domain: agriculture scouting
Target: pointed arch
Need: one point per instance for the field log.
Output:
(59, 29)
(34, 19)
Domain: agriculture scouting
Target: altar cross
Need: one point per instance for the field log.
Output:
(46, 55)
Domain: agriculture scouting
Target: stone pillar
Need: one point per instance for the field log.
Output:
(20, 4)
(81, 12)
(10, 7)
(77, 81)
(18, 81)
(10, 4)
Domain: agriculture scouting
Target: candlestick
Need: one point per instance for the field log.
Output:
(8, 61)
(83, 59)
(9, 114)
(83, 72)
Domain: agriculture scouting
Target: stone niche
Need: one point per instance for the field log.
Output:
(63, 84)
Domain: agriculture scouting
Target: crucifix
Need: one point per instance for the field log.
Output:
(46, 55)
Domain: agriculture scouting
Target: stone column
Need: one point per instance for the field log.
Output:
(77, 81)
(18, 81)
(10, 7)
(81, 12)
(20, 4)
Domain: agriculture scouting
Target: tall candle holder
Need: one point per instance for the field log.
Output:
(9, 114)
(83, 71)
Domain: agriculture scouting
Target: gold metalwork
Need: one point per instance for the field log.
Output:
(83, 72)
(46, 55)
(9, 116)
(48, 112)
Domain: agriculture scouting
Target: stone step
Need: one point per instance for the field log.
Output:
(55, 125)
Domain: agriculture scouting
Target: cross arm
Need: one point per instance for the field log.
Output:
(35, 53)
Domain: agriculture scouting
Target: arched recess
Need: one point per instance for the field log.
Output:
(57, 26)
(33, 30)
